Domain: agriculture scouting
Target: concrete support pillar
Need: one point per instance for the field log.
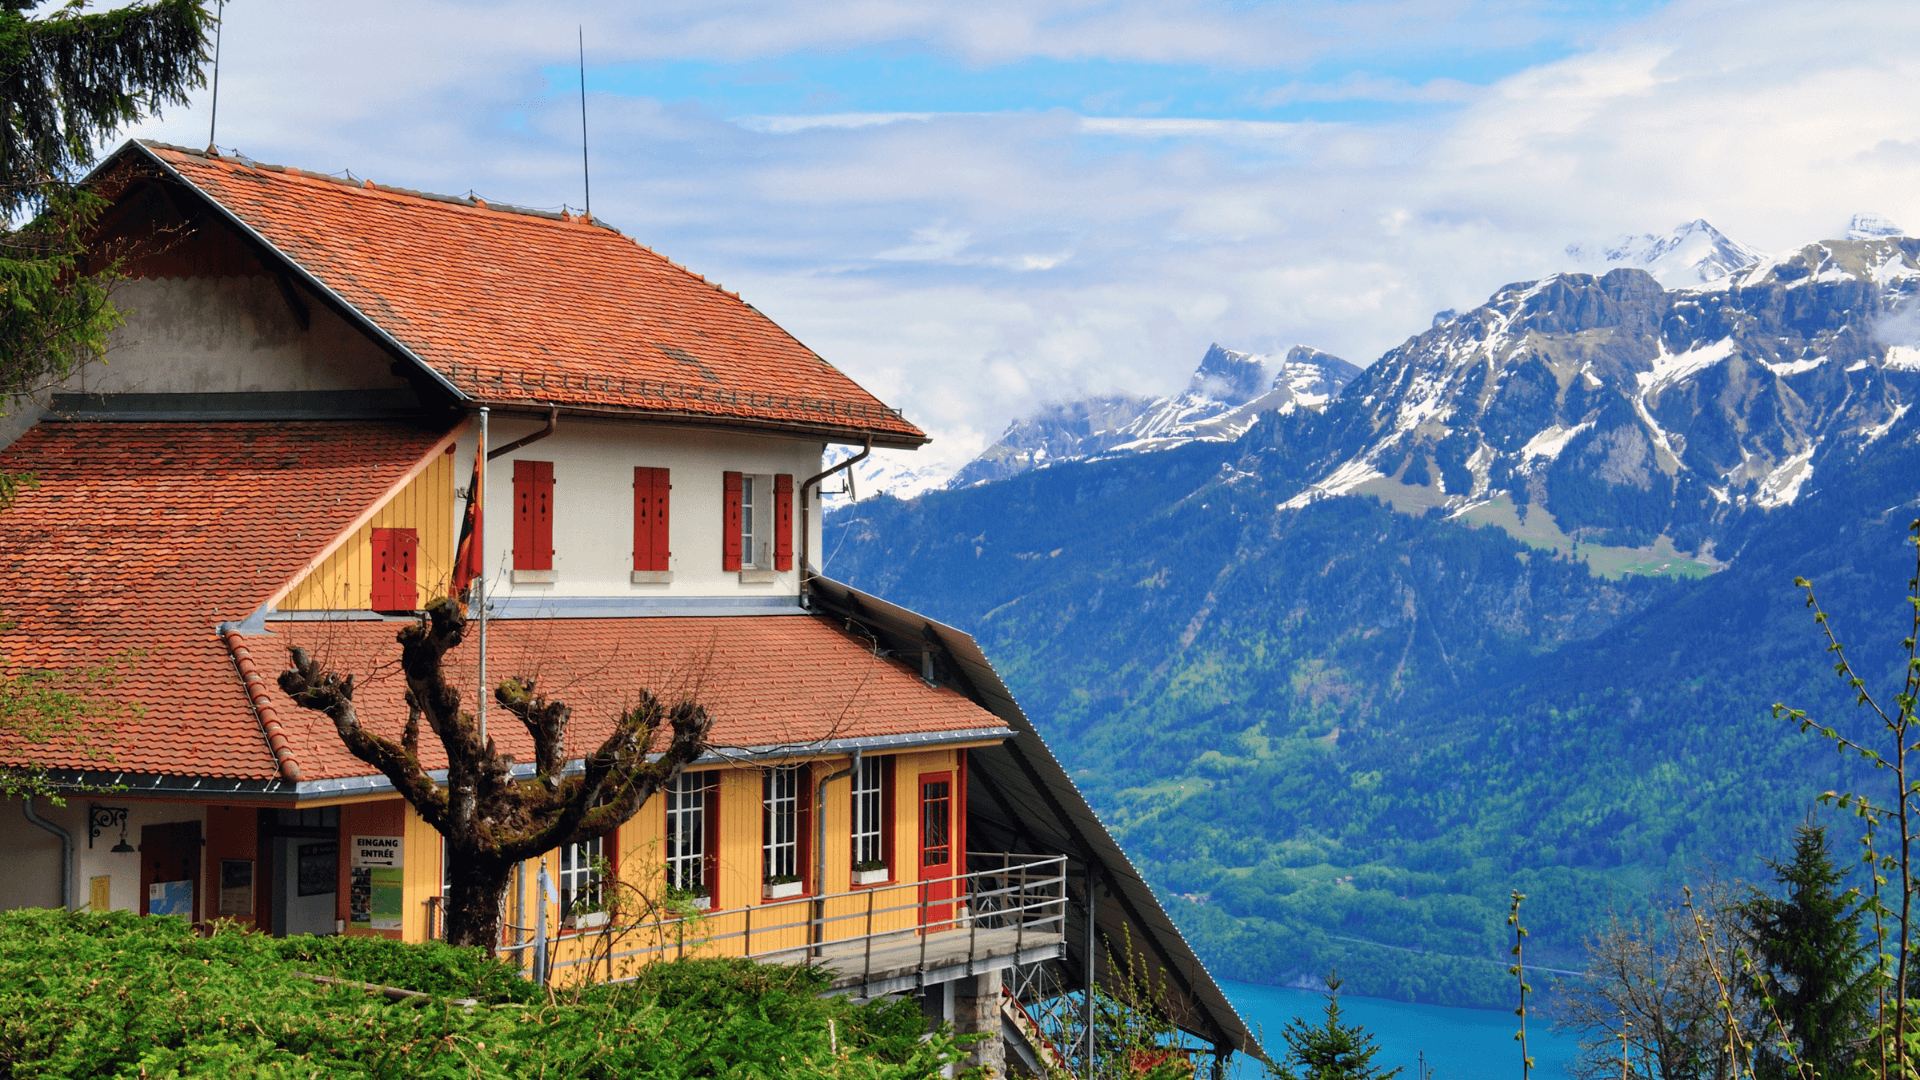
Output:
(976, 1008)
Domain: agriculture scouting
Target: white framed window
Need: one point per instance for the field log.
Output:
(869, 813)
(578, 881)
(749, 519)
(780, 822)
(687, 831)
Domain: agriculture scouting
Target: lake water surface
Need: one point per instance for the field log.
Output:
(1460, 1044)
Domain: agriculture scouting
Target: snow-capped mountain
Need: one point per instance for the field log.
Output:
(1227, 393)
(1871, 226)
(1628, 410)
(1692, 254)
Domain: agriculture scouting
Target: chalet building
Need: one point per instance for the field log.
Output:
(281, 451)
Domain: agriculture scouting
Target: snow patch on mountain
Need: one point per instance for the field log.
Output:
(1783, 484)
(1670, 368)
(1691, 255)
(1341, 481)
(1902, 358)
(1871, 226)
(1550, 442)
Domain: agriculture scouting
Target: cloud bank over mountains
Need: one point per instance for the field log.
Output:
(973, 208)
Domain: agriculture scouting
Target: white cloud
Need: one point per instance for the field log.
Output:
(965, 266)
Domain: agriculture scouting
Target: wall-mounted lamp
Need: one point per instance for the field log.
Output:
(101, 818)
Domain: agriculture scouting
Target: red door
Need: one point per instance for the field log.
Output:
(936, 851)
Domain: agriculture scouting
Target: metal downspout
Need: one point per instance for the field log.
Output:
(806, 508)
(819, 905)
(66, 851)
(553, 421)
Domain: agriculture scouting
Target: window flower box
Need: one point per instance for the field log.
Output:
(703, 903)
(780, 890)
(874, 876)
(590, 919)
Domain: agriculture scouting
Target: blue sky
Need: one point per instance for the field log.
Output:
(974, 206)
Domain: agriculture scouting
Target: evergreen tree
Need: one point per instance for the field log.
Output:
(1330, 1050)
(1812, 959)
(68, 81)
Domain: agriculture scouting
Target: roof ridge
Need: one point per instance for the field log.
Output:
(263, 708)
(473, 202)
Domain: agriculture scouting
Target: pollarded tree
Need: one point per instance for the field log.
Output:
(491, 820)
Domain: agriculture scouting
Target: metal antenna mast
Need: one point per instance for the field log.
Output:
(586, 176)
(213, 122)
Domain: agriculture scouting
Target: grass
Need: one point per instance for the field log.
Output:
(1540, 531)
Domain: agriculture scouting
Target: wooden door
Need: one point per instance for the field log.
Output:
(169, 856)
(936, 851)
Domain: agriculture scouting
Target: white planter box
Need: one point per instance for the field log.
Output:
(702, 903)
(870, 877)
(782, 890)
(589, 920)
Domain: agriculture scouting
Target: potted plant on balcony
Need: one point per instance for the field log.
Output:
(869, 872)
(781, 886)
(696, 898)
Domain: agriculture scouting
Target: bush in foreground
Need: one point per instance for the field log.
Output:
(116, 995)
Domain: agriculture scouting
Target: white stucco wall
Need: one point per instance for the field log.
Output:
(229, 335)
(30, 856)
(593, 465)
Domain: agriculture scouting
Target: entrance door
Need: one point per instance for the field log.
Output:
(307, 892)
(936, 850)
(170, 869)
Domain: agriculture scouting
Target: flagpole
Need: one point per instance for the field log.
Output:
(481, 580)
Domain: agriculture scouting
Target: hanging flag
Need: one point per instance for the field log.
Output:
(466, 557)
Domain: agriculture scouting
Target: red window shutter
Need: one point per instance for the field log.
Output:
(730, 524)
(543, 515)
(382, 571)
(783, 521)
(650, 499)
(662, 516)
(396, 554)
(533, 515)
(523, 515)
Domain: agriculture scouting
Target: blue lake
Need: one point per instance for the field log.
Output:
(1460, 1044)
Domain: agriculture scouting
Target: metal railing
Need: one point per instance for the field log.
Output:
(907, 924)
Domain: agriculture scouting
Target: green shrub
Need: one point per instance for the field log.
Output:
(116, 995)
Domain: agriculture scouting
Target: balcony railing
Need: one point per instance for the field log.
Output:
(1010, 909)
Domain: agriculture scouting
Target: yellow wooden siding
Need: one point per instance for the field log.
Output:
(420, 875)
(344, 582)
(638, 850)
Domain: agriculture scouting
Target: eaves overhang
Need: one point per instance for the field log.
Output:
(215, 789)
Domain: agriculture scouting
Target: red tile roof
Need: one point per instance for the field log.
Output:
(768, 680)
(142, 537)
(525, 308)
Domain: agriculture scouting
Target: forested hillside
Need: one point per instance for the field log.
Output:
(1336, 734)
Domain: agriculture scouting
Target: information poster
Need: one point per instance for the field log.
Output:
(236, 887)
(377, 895)
(171, 898)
